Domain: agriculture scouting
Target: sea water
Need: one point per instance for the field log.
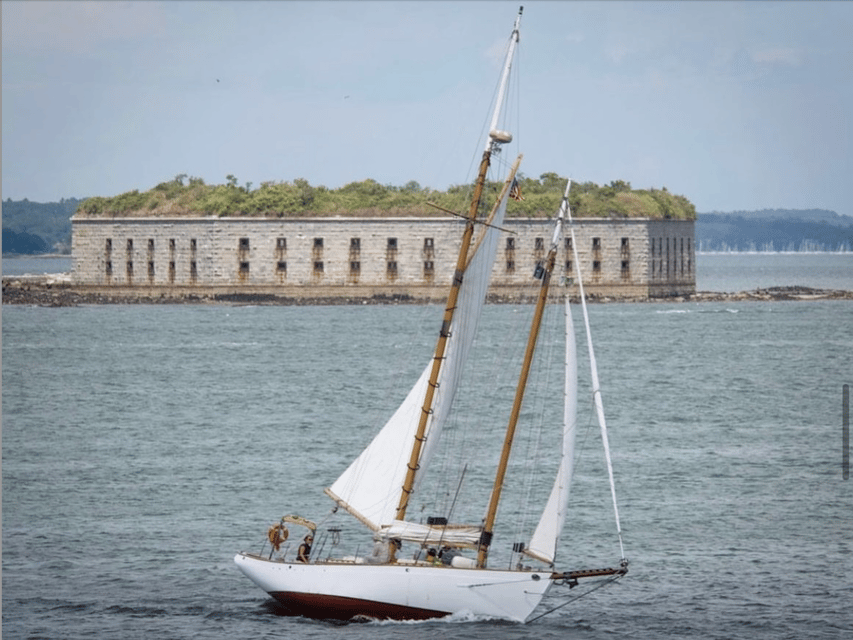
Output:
(144, 445)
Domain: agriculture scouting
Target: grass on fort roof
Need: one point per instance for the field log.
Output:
(191, 197)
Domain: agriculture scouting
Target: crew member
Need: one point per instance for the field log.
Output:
(304, 552)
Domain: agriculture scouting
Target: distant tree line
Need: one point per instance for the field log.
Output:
(185, 195)
(813, 230)
(38, 227)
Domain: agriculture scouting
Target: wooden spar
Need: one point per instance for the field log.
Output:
(591, 573)
(492, 146)
(488, 527)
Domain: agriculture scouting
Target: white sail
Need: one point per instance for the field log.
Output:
(543, 544)
(370, 488)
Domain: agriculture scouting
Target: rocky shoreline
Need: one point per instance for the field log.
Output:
(57, 291)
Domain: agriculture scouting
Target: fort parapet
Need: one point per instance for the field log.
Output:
(341, 257)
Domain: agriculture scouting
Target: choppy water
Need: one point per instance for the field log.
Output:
(143, 446)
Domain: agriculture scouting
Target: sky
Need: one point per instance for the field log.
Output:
(736, 105)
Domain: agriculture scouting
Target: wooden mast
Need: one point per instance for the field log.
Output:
(547, 269)
(495, 139)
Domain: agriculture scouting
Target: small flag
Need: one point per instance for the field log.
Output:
(515, 191)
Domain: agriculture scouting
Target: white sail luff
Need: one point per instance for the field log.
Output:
(543, 543)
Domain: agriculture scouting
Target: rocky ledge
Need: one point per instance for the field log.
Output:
(57, 291)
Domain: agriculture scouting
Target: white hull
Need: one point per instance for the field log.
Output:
(401, 591)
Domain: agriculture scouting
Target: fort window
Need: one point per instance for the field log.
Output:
(244, 268)
(193, 269)
(568, 266)
(626, 268)
(129, 245)
(510, 266)
(355, 244)
(428, 243)
(392, 244)
(172, 271)
(626, 247)
(429, 267)
(150, 244)
(596, 266)
(172, 245)
(109, 268)
(318, 243)
(596, 244)
(540, 244)
(510, 243)
(318, 265)
(281, 243)
(129, 268)
(568, 243)
(281, 266)
(151, 268)
(108, 247)
(392, 268)
(192, 244)
(355, 266)
(244, 244)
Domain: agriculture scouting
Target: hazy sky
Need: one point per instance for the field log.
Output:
(736, 105)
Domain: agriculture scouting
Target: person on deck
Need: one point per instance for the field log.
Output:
(383, 551)
(304, 552)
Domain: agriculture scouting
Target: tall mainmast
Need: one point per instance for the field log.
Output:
(495, 139)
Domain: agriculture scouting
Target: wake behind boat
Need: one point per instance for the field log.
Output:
(433, 567)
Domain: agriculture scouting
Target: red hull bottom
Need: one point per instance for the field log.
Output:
(325, 607)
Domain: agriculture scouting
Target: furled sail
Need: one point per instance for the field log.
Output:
(454, 535)
(370, 487)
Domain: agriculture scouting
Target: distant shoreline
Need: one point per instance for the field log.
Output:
(14, 256)
(774, 253)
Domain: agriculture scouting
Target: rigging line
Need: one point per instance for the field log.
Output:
(596, 386)
(539, 395)
(480, 222)
(603, 583)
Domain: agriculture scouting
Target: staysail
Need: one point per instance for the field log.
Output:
(545, 538)
(543, 544)
(370, 487)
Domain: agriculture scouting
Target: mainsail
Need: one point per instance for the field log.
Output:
(370, 487)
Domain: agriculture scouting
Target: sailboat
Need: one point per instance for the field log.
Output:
(449, 571)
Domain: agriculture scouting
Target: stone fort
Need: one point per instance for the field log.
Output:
(361, 258)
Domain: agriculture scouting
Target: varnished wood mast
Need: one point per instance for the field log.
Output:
(492, 144)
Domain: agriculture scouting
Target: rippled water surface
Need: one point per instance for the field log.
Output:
(143, 446)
